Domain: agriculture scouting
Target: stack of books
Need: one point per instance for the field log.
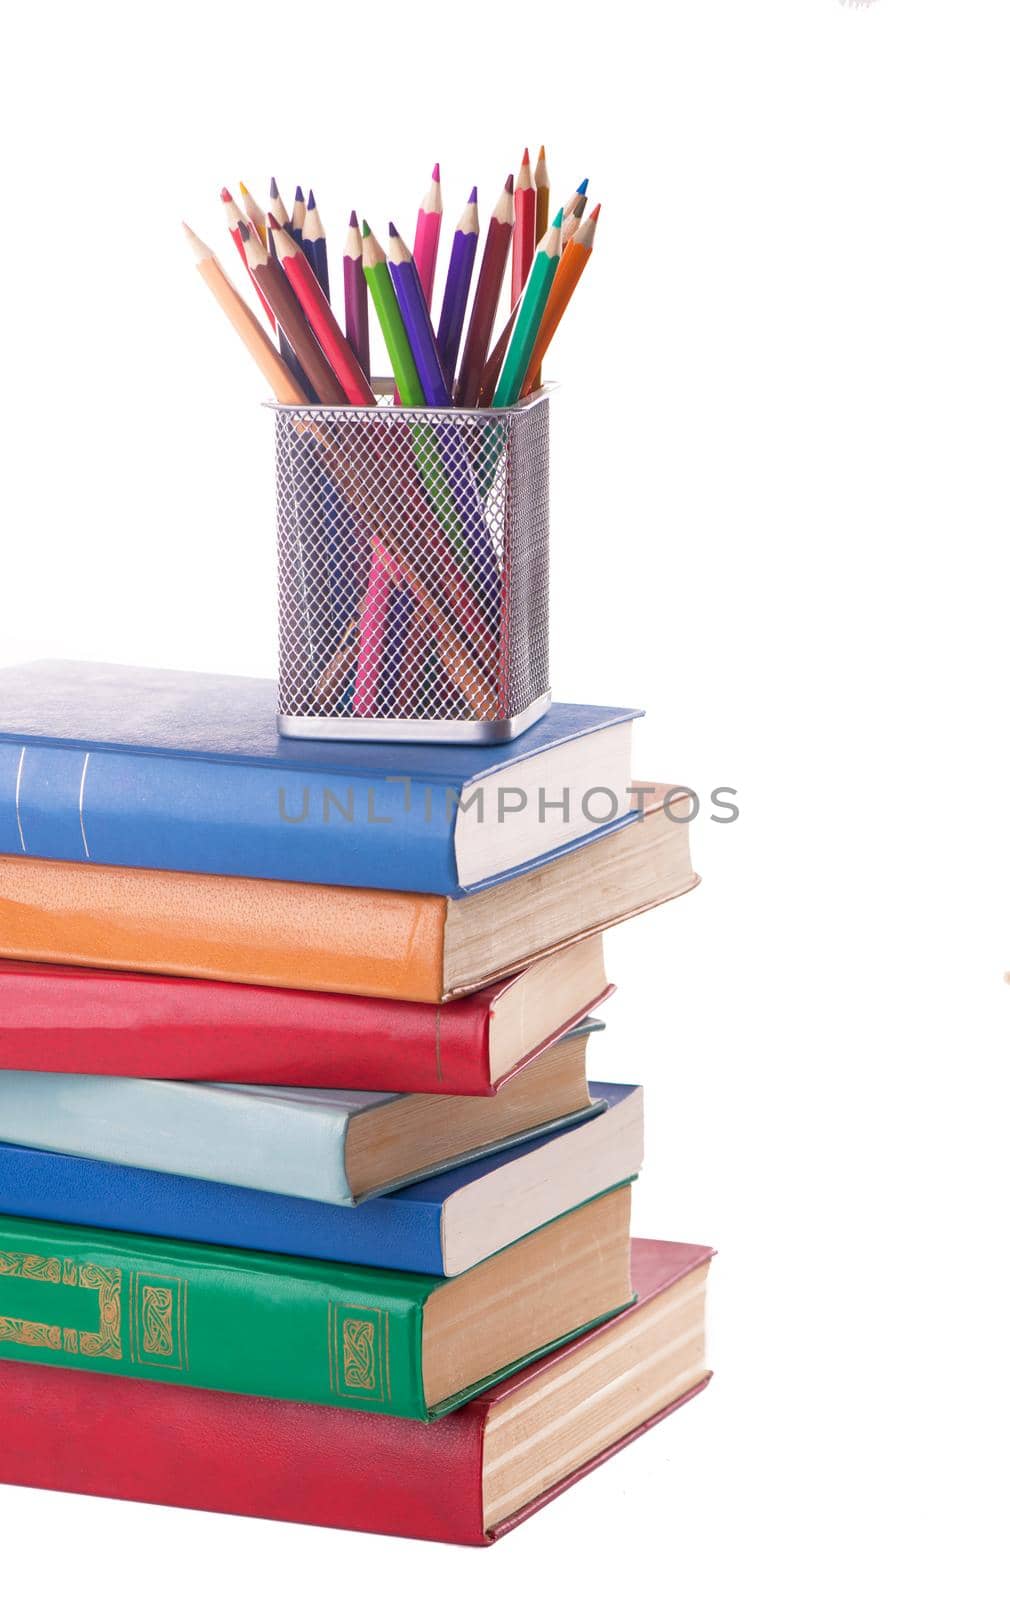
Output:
(308, 1207)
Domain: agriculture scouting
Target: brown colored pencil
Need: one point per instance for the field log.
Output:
(283, 302)
(244, 321)
(543, 183)
(486, 297)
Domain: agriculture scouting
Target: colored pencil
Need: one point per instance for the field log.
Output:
(257, 216)
(524, 241)
(277, 207)
(543, 183)
(380, 284)
(570, 226)
(234, 218)
(486, 297)
(531, 312)
(287, 348)
(291, 319)
(314, 245)
(243, 320)
(320, 318)
(457, 286)
(356, 297)
(417, 322)
(298, 215)
(426, 234)
(574, 197)
(496, 360)
(573, 264)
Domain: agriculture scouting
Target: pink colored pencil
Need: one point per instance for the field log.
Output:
(374, 611)
(429, 226)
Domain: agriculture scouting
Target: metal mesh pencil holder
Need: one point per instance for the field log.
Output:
(413, 572)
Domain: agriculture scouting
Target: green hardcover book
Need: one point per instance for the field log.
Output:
(287, 1328)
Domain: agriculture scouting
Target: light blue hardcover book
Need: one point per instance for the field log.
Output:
(339, 1146)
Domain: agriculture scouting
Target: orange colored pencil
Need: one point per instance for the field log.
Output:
(572, 265)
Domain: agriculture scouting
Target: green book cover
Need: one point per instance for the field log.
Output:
(211, 1317)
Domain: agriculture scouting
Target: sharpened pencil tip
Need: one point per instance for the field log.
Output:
(594, 214)
(559, 219)
(310, 204)
(243, 190)
(272, 220)
(244, 230)
(365, 229)
(473, 196)
(509, 184)
(353, 221)
(226, 197)
(392, 231)
(436, 173)
(298, 193)
(526, 157)
(274, 191)
(543, 154)
(583, 186)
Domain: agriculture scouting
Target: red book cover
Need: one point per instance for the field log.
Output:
(123, 1439)
(141, 1025)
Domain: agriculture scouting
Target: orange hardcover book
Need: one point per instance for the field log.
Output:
(343, 940)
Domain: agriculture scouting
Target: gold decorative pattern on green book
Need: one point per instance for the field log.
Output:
(105, 1344)
(159, 1321)
(359, 1352)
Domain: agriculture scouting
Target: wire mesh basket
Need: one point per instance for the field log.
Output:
(413, 571)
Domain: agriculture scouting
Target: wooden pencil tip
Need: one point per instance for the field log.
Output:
(244, 230)
(543, 154)
(310, 204)
(365, 229)
(509, 184)
(226, 197)
(243, 190)
(274, 191)
(473, 196)
(583, 186)
(593, 215)
(353, 223)
(298, 193)
(392, 231)
(559, 219)
(526, 157)
(272, 220)
(436, 173)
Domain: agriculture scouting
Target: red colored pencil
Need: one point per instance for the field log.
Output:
(320, 318)
(426, 235)
(486, 297)
(234, 217)
(524, 238)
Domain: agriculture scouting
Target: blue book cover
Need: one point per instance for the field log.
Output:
(185, 772)
(430, 1227)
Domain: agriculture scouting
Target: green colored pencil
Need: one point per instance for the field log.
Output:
(380, 283)
(531, 311)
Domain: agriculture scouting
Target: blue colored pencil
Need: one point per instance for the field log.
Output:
(314, 245)
(457, 287)
(417, 322)
(298, 215)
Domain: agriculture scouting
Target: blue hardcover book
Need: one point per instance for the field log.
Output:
(185, 771)
(443, 1225)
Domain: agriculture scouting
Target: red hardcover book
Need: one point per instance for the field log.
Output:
(457, 1480)
(142, 1025)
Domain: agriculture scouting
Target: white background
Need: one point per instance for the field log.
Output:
(780, 523)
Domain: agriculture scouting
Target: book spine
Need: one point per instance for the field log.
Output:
(226, 819)
(398, 1234)
(78, 1433)
(240, 930)
(230, 1320)
(81, 1020)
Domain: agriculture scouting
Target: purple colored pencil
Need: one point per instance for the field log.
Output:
(457, 287)
(417, 322)
(356, 297)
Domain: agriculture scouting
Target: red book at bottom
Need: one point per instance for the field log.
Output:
(87, 1433)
